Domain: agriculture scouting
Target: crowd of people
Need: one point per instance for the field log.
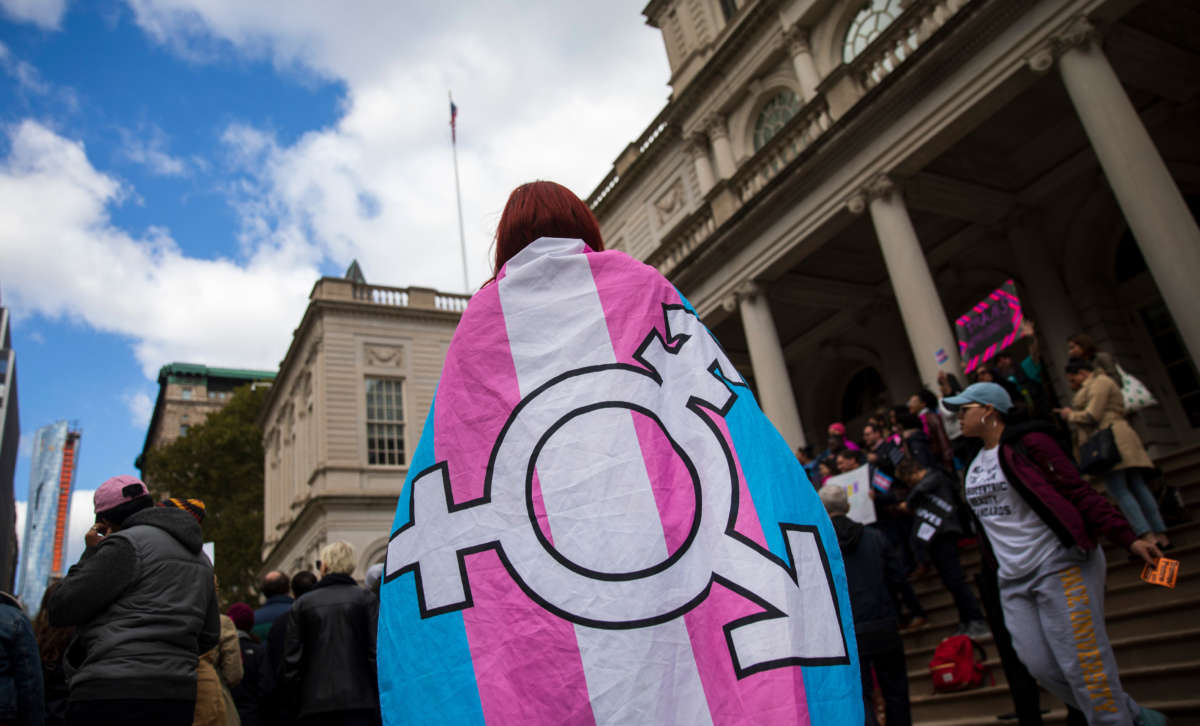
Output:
(998, 463)
(134, 633)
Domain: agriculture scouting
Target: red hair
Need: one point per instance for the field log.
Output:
(543, 209)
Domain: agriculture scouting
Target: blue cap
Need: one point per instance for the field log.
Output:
(989, 394)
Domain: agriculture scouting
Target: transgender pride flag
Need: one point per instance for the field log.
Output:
(601, 526)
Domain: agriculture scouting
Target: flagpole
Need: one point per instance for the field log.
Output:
(462, 238)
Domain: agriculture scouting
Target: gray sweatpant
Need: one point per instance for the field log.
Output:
(1056, 616)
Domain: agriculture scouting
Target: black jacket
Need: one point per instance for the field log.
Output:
(153, 564)
(247, 692)
(20, 667)
(934, 502)
(329, 649)
(871, 565)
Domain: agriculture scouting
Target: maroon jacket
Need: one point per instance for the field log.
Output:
(1036, 467)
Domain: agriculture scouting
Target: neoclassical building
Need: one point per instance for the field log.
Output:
(345, 414)
(833, 182)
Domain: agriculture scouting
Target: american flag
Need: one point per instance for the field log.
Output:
(453, 118)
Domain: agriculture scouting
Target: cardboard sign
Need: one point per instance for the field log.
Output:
(858, 486)
(1165, 573)
(990, 327)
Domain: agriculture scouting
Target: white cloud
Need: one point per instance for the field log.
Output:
(80, 520)
(545, 90)
(29, 80)
(46, 14)
(148, 146)
(25, 74)
(25, 445)
(37, 337)
(141, 407)
(74, 263)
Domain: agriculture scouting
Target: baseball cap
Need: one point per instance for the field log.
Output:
(117, 491)
(837, 428)
(988, 394)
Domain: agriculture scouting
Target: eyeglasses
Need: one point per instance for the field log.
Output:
(963, 408)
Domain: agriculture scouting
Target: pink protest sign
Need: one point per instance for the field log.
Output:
(991, 326)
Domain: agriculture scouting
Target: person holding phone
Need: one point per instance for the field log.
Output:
(144, 606)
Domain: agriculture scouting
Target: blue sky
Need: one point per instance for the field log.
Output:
(175, 174)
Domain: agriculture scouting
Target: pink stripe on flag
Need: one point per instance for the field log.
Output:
(773, 696)
(670, 481)
(527, 675)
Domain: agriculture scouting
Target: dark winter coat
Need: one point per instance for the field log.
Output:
(152, 565)
(273, 609)
(20, 667)
(246, 694)
(1038, 469)
(871, 566)
(329, 649)
(933, 501)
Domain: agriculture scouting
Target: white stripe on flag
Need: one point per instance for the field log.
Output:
(555, 322)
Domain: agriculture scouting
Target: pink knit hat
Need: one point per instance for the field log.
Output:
(116, 491)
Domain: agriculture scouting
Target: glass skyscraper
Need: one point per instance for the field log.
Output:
(51, 475)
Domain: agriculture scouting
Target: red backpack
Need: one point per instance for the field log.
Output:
(957, 664)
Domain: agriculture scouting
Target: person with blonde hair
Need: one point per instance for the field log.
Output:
(329, 649)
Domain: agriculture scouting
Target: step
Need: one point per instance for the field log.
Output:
(1147, 683)
(1181, 535)
(1184, 712)
(1180, 459)
(1122, 581)
(1135, 652)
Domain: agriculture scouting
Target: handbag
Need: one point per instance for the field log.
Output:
(1099, 453)
(1135, 393)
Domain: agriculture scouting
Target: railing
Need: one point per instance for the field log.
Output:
(649, 137)
(381, 295)
(422, 298)
(878, 60)
(802, 130)
(605, 187)
(901, 39)
(451, 303)
(693, 230)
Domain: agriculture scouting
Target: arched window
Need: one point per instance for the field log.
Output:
(875, 16)
(864, 393)
(778, 111)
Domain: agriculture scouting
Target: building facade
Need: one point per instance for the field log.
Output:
(832, 180)
(10, 443)
(187, 394)
(346, 413)
(51, 480)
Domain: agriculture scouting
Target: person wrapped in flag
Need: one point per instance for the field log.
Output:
(599, 524)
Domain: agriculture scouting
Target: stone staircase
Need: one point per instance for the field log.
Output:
(1155, 631)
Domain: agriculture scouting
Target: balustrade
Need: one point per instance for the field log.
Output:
(901, 39)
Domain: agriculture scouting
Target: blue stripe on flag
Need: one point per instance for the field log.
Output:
(781, 492)
(424, 665)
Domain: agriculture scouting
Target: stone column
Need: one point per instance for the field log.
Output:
(718, 133)
(1156, 212)
(697, 149)
(1047, 301)
(802, 61)
(920, 307)
(775, 393)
